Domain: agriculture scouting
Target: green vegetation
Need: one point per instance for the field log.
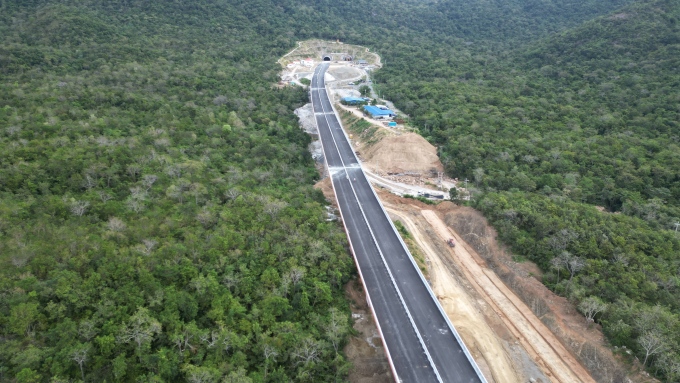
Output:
(549, 128)
(157, 221)
(586, 253)
(365, 90)
(368, 133)
(157, 216)
(421, 199)
(453, 194)
(353, 123)
(412, 246)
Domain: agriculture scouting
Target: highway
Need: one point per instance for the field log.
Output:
(421, 343)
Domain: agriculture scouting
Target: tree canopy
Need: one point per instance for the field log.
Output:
(157, 216)
(157, 220)
(551, 126)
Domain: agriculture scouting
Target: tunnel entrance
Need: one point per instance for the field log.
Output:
(326, 58)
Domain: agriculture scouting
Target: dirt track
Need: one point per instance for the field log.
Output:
(507, 340)
(486, 347)
(558, 363)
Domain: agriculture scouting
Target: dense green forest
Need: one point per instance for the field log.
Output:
(157, 220)
(157, 216)
(546, 129)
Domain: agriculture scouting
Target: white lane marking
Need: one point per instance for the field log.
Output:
(368, 295)
(434, 299)
(450, 325)
(394, 283)
(375, 242)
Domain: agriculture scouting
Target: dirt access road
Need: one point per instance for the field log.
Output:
(508, 341)
(486, 347)
(491, 318)
(557, 362)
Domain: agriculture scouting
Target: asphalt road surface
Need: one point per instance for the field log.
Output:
(421, 343)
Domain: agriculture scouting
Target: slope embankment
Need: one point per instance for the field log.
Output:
(506, 337)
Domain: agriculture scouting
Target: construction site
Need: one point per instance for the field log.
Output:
(516, 329)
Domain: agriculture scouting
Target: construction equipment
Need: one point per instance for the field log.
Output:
(451, 243)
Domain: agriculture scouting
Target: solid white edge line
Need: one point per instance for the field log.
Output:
(394, 283)
(375, 242)
(427, 285)
(356, 261)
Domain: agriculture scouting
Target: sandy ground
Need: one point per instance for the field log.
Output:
(398, 152)
(408, 152)
(507, 339)
(365, 350)
(345, 73)
(316, 49)
(347, 93)
(306, 115)
(484, 344)
(583, 340)
(558, 363)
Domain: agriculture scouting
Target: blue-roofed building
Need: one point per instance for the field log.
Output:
(353, 101)
(379, 113)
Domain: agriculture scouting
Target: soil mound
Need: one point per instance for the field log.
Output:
(408, 152)
(344, 72)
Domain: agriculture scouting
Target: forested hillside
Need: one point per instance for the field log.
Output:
(549, 130)
(157, 221)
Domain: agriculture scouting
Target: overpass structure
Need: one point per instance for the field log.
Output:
(420, 342)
